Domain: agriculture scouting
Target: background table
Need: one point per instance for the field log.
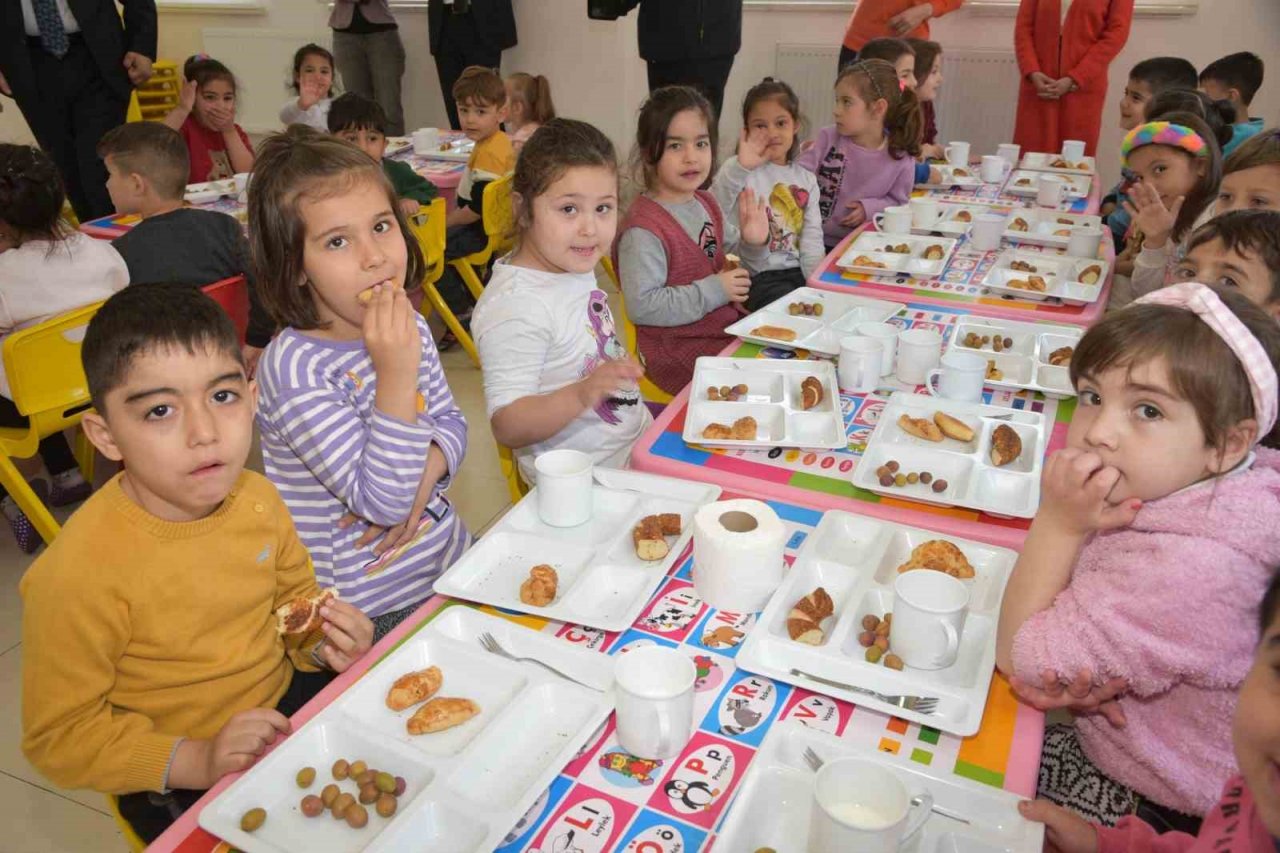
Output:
(612, 799)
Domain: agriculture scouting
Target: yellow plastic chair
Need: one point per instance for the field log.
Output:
(648, 390)
(499, 226)
(516, 486)
(48, 386)
(131, 837)
(428, 226)
(134, 112)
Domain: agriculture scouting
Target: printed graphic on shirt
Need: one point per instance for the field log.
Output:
(220, 166)
(608, 348)
(830, 175)
(786, 216)
(707, 241)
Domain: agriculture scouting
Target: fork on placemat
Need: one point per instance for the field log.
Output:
(915, 704)
(492, 646)
(815, 763)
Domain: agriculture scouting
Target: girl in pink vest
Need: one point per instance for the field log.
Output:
(670, 252)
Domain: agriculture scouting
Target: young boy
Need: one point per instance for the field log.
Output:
(363, 123)
(147, 166)
(1240, 249)
(152, 660)
(1235, 78)
(1251, 175)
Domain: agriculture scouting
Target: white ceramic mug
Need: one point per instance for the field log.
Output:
(1083, 241)
(858, 369)
(1010, 153)
(960, 377)
(564, 487)
(925, 212)
(994, 168)
(929, 610)
(919, 351)
(986, 231)
(653, 686)
(1051, 190)
(957, 153)
(426, 140)
(1072, 150)
(860, 806)
(894, 220)
(242, 183)
(885, 334)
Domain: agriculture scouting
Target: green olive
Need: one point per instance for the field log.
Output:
(253, 819)
(305, 777)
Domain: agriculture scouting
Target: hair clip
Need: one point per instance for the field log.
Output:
(902, 85)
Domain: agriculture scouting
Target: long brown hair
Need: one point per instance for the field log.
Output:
(927, 53)
(876, 80)
(535, 93)
(656, 115)
(1205, 191)
(769, 89)
(559, 145)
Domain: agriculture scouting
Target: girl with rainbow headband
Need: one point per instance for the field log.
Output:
(1167, 492)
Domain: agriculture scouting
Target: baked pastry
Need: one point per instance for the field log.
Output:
(959, 173)
(941, 556)
(1022, 266)
(1061, 357)
(1062, 232)
(1033, 283)
(648, 538)
(1022, 182)
(731, 262)
(810, 392)
(1061, 163)
(953, 427)
(864, 261)
(1064, 221)
(539, 589)
(743, 429)
(963, 216)
(1006, 445)
(899, 249)
(804, 621)
(1090, 274)
(716, 432)
(1019, 224)
(302, 614)
(778, 333)
(920, 428)
(934, 253)
(669, 522)
(443, 712)
(446, 146)
(414, 687)
(994, 372)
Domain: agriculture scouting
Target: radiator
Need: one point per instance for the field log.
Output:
(262, 62)
(811, 71)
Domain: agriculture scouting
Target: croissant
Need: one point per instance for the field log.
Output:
(441, 713)
(413, 687)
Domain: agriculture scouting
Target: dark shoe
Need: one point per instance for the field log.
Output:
(69, 488)
(29, 540)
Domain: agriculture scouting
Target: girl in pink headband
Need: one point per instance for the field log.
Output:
(1155, 538)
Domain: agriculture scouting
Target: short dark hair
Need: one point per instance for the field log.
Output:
(769, 89)
(1240, 71)
(31, 193)
(1248, 232)
(1165, 72)
(656, 114)
(480, 85)
(205, 69)
(1217, 115)
(145, 317)
(151, 149)
(559, 145)
(888, 49)
(356, 112)
(300, 56)
(1270, 607)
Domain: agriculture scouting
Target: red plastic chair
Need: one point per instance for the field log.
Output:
(233, 295)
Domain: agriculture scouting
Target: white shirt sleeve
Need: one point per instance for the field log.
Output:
(513, 339)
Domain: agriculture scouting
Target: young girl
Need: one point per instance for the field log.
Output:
(766, 163)
(359, 430)
(313, 83)
(670, 251)
(529, 106)
(1162, 498)
(46, 269)
(555, 374)
(866, 161)
(206, 118)
(897, 53)
(928, 74)
(1251, 175)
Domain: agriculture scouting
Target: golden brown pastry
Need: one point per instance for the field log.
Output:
(414, 687)
(810, 392)
(539, 589)
(443, 712)
(648, 539)
(964, 216)
(743, 429)
(1022, 182)
(716, 432)
(1062, 232)
(731, 262)
(1061, 163)
(1061, 357)
(941, 556)
(953, 427)
(778, 333)
(1019, 224)
(1019, 265)
(804, 622)
(1090, 274)
(1006, 445)
(1033, 283)
(920, 428)
(994, 372)
(959, 173)
(302, 614)
(934, 253)
(864, 261)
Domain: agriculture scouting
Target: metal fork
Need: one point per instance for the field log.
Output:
(492, 646)
(815, 763)
(916, 704)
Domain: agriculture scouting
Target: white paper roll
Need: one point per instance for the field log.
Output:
(737, 554)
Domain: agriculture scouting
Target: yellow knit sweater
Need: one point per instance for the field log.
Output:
(138, 632)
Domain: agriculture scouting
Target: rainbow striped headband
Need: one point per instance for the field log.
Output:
(1163, 133)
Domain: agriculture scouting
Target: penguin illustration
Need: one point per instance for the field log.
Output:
(695, 796)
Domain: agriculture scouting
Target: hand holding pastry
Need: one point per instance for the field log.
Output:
(348, 635)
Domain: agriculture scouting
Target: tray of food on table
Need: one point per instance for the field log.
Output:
(811, 319)
(953, 220)
(1027, 183)
(1038, 276)
(876, 253)
(207, 191)
(1038, 161)
(952, 176)
(1041, 227)
(1021, 356)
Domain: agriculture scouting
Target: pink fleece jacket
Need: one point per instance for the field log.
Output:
(1232, 826)
(1170, 604)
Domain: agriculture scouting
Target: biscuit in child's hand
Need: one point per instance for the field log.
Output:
(731, 262)
(920, 428)
(302, 614)
(441, 713)
(414, 687)
(540, 588)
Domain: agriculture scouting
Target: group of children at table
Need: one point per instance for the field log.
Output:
(149, 673)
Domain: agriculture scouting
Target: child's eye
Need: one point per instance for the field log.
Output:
(335, 243)
(1184, 272)
(603, 208)
(1228, 281)
(1089, 398)
(383, 226)
(225, 395)
(1260, 203)
(159, 412)
(569, 209)
(704, 143)
(1158, 170)
(1148, 412)
(673, 146)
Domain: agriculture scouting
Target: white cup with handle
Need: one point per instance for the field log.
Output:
(994, 168)
(1009, 152)
(957, 153)
(961, 377)
(885, 334)
(986, 231)
(929, 611)
(858, 369)
(1083, 241)
(862, 806)
(894, 220)
(1051, 190)
(654, 693)
(919, 351)
(426, 140)
(925, 212)
(1072, 150)
(564, 487)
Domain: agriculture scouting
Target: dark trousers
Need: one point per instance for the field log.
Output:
(461, 240)
(847, 55)
(54, 450)
(371, 64)
(460, 46)
(150, 813)
(75, 107)
(771, 285)
(708, 76)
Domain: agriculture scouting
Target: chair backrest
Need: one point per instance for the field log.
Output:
(44, 369)
(428, 226)
(499, 217)
(233, 295)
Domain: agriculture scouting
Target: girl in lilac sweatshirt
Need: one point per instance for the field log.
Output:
(1155, 538)
(866, 161)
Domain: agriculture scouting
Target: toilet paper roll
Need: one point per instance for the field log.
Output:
(737, 554)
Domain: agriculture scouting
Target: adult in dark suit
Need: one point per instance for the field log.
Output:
(467, 32)
(71, 66)
(689, 43)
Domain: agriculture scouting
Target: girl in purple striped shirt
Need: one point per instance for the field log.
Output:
(360, 432)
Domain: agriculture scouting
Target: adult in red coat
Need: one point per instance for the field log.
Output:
(1064, 62)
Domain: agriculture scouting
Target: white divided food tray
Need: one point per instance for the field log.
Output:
(1061, 276)
(973, 481)
(396, 144)
(772, 807)
(855, 559)
(1042, 227)
(968, 176)
(208, 191)
(772, 398)
(1024, 366)
(1027, 182)
(952, 220)
(819, 334)
(872, 246)
(1038, 161)
(458, 150)
(603, 584)
(465, 786)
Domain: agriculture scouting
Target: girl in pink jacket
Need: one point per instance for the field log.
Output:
(1158, 530)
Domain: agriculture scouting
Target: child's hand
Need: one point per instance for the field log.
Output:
(1150, 216)
(752, 145)
(1065, 831)
(856, 216)
(1108, 207)
(348, 635)
(1081, 696)
(391, 335)
(932, 151)
(241, 741)
(1073, 494)
(752, 219)
(608, 379)
(736, 284)
(310, 93)
(187, 97)
(935, 175)
(409, 206)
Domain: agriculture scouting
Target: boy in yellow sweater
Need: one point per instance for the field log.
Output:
(152, 665)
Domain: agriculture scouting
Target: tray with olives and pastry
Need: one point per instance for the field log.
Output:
(950, 453)
(951, 176)
(832, 618)
(877, 253)
(811, 319)
(440, 746)
(1040, 276)
(1041, 227)
(1039, 161)
(1022, 356)
(954, 219)
(1027, 183)
(758, 403)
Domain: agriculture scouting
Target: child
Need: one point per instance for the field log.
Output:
(897, 53)
(1251, 175)
(529, 107)
(359, 430)
(862, 161)
(555, 374)
(206, 118)
(766, 163)
(1162, 496)
(1239, 250)
(313, 83)
(362, 122)
(670, 251)
(147, 169)
(46, 269)
(1246, 818)
(1235, 78)
(153, 666)
(928, 74)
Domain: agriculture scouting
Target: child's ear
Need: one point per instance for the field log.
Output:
(253, 396)
(503, 111)
(99, 433)
(1239, 439)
